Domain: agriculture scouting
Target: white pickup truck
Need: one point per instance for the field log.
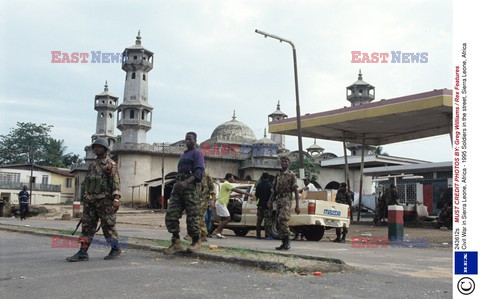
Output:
(315, 215)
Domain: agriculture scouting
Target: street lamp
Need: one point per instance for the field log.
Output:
(299, 126)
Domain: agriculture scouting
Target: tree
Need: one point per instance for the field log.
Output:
(24, 144)
(379, 151)
(311, 167)
(30, 142)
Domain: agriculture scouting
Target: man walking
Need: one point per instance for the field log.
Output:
(186, 196)
(283, 185)
(101, 201)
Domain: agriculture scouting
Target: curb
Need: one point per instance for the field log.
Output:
(330, 264)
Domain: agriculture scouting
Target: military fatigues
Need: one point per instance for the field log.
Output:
(345, 198)
(284, 184)
(264, 213)
(101, 185)
(191, 163)
(208, 189)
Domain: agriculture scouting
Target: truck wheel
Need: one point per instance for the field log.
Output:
(274, 227)
(241, 232)
(314, 233)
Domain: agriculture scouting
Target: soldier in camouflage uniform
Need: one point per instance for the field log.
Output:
(283, 185)
(208, 194)
(343, 196)
(101, 201)
(186, 196)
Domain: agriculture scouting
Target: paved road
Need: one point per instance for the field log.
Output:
(31, 268)
(435, 263)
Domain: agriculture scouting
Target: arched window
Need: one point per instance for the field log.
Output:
(133, 75)
(110, 115)
(143, 115)
(101, 114)
(132, 113)
(144, 77)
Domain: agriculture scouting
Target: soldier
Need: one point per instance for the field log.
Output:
(23, 198)
(100, 201)
(343, 196)
(186, 196)
(208, 195)
(283, 185)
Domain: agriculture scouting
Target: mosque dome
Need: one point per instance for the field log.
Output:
(264, 140)
(233, 132)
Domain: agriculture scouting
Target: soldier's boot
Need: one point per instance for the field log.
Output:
(114, 252)
(281, 247)
(195, 246)
(175, 247)
(337, 240)
(81, 255)
(287, 244)
(343, 238)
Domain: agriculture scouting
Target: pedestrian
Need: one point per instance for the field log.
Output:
(226, 189)
(186, 197)
(100, 201)
(23, 200)
(208, 195)
(391, 195)
(343, 196)
(380, 209)
(284, 184)
(263, 191)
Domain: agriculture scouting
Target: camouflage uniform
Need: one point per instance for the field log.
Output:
(283, 186)
(208, 189)
(101, 185)
(181, 199)
(345, 198)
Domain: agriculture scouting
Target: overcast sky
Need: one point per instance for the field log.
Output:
(208, 61)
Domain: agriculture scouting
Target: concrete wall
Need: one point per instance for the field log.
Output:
(38, 197)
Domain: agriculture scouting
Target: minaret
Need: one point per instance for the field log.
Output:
(277, 138)
(134, 115)
(105, 105)
(360, 92)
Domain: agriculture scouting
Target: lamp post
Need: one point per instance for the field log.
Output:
(299, 126)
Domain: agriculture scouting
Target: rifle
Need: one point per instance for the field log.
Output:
(80, 222)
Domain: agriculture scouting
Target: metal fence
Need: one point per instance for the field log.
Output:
(35, 187)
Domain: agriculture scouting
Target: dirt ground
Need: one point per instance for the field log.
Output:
(156, 219)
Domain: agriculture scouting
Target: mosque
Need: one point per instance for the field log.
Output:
(144, 167)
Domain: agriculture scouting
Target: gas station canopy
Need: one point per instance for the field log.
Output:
(382, 122)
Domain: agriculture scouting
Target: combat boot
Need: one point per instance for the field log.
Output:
(81, 255)
(281, 247)
(337, 240)
(287, 244)
(343, 238)
(175, 247)
(195, 246)
(114, 253)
